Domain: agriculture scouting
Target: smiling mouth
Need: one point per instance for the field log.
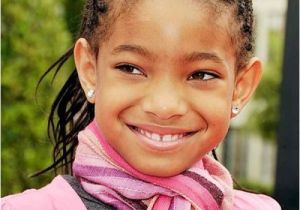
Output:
(161, 137)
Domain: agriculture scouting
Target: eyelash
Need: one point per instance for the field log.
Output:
(198, 75)
(129, 69)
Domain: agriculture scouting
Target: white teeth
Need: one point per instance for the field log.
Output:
(174, 137)
(148, 134)
(155, 137)
(167, 138)
(158, 137)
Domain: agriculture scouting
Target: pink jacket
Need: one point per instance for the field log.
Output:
(59, 195)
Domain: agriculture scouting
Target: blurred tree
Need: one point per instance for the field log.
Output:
(266, 113)
(33, 34)
(73, 15)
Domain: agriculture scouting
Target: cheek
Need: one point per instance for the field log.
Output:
(113, 97)
(108, 102)
(219, 111)
(215, 109)
(219, 125)
(215, 104)
(108, 105)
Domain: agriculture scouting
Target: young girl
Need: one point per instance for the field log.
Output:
(155, 87)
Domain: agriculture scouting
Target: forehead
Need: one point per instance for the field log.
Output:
(173, 26)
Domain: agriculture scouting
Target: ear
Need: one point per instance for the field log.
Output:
(246, 82)
(86, 66)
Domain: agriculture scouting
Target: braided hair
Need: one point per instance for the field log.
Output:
(71, 112)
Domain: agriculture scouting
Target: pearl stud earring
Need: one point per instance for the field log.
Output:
(235, 110)
(91, 93)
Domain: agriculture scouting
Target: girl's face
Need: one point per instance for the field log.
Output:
(164, 85)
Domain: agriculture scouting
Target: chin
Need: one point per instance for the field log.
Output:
(159, 170)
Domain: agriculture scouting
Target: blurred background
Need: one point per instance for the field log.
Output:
(35, 33)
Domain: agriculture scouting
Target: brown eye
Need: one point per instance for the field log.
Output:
(130, 69)
(202, 75)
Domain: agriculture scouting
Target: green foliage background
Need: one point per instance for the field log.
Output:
(34, 34)
(266, 115)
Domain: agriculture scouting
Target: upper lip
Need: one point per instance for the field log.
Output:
(162, 130)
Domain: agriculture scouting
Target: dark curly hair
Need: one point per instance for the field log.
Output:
(71, 112)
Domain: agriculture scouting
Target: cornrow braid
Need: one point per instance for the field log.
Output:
(71, 112)
(245, 17)
(92, 12)
(71, 109)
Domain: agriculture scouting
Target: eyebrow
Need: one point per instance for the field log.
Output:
(200, 56)
(137, 49)
(191, 57)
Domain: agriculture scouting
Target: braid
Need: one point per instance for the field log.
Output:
(241, 26)
(245, 17)
(92, 12)
(72, 109)
(245, 14)
(90, 20)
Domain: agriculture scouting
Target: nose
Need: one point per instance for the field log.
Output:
(165, 100)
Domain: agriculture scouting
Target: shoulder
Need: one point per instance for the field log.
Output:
(58, 195)
(88, 200)
(246, 200)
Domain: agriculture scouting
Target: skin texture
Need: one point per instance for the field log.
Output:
(167, 68)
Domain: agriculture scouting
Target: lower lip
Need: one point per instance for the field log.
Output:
(159, 145)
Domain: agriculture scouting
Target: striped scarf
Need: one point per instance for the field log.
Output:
(104, 174)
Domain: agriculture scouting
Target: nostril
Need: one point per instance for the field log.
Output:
(164, 110)
(164, 114)
(164, 102)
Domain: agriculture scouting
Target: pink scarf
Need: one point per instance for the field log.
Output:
(103, 173)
